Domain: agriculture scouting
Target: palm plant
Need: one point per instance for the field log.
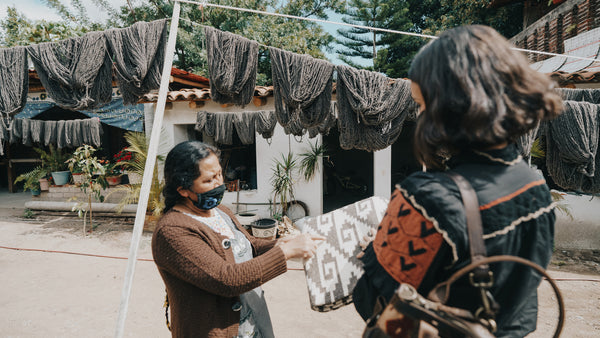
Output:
(138, 146)
(283, 181)
(309, 164)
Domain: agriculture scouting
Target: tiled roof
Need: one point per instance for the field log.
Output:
(199, 94)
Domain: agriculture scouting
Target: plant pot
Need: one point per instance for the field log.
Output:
(60, 177)
(44, 185)
(36, 192)
(113, 180)
(246, 218)
(78, 178)
(264, 228)
(134, 178)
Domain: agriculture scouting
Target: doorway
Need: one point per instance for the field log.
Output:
(347, 174)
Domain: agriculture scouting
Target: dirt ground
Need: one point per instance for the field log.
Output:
(46, 294)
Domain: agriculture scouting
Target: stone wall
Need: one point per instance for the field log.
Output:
(65, 193)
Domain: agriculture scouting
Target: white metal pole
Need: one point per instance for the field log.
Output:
(148, 171)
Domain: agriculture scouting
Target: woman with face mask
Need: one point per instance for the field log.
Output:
(211, 266)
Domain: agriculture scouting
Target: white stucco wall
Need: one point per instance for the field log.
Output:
(175, 124)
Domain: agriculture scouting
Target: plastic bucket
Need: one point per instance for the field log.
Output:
(264, 228)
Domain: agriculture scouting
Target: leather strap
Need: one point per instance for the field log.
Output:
(474, 225)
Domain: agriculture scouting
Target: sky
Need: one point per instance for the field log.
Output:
(37, 10)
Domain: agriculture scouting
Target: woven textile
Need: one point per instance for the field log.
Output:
(332, 273)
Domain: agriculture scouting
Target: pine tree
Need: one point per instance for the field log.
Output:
(360, 42)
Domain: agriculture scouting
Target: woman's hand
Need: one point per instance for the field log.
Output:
(300, 246)
(365, 242)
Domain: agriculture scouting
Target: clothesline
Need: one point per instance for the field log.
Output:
(208, 4)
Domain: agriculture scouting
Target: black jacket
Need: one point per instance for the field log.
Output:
(518, 219)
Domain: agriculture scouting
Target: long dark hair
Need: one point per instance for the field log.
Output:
(182, 168)
(478, 93)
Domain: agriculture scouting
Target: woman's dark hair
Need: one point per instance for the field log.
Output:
(478, 93)
(182, 168)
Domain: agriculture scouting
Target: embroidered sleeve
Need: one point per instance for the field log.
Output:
(406, 242)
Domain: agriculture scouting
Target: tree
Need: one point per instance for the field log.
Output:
(431, 17)
(361, 42)
(17, 30)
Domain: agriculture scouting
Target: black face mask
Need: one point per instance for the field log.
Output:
(210, 199)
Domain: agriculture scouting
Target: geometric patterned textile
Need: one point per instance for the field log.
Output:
(332, 273)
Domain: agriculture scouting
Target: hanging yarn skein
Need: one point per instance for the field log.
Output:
(139, 53)
(76, 72)
(525, 142)
(232, 65)
(302, 88)
(586, 95)
(371, 110)
(14, 80)
(265, 122)
(572, 145)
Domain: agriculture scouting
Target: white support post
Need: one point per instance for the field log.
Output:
(148, 171)
(382, 176)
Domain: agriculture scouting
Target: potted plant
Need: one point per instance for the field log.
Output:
(31, 179)
(55, 160)
(112, 172)
(93, 185)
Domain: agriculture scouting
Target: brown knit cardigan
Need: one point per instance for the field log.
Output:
(202, 279)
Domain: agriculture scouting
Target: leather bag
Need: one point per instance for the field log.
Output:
(409, 314)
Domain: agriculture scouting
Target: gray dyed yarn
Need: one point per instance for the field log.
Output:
(525, 142)
(76, 72)
(361, 123)
(220, 125)
(14, 81)
(264, 123)
(244, 126)
(572, 146)
(302, 88)
(139, 54)
(325, 127)
(232, 65)
(586, 95)
(370, 96)
(65, 134)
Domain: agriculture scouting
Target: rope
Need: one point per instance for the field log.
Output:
(76, 72)
(139, 53)
(232, 65)
(302, 87)
(204, 3)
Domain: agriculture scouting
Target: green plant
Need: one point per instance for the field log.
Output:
(28, 213)
(309, 163)
(283, 181)
(54, 159)
(136, 163)
(88, 164)
(31, 179)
